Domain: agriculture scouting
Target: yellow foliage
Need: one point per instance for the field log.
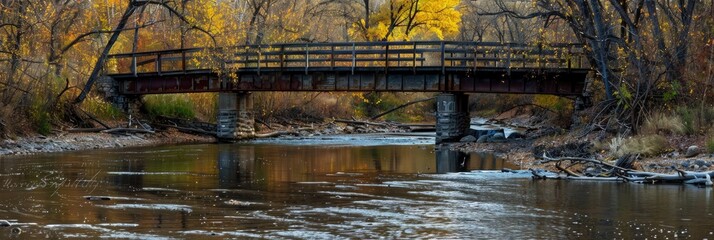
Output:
(398, 20)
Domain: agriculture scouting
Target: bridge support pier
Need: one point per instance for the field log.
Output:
(110, 89)
(235, 118)
(452, 117)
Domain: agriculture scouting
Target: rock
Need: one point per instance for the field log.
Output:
(498, 137)
(692, 151)
(468, 138)
(5, 223)
(514, 135)
(482, 139)
(700, 162)
(685, 164)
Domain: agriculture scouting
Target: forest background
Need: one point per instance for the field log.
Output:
(651, 59)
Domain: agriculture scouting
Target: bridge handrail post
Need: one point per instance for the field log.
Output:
(183, 61)
(158, 63)
(354, 60)
(508, 60)
(260, 55)
(307, 58)
(282, 57)
(443, 58)
(386, 58)
(541, 62)
(414, 52)
(475, 64)
(332, 57)
(133, 65)
(570, 56)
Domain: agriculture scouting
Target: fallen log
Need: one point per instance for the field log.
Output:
(258, 120)
(400, 106)
(360, 122)
(85, 130)
(127, 130)
(599, 179)
(271, 134)
(93, 118)
(189, 130)
(617, 173)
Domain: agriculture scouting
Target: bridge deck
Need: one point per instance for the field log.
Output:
(369, 66)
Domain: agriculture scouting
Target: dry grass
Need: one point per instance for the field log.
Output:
(646, 145)
(663, 123)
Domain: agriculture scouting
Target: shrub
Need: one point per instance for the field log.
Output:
(688, 120)
(646, 145)
(178, 106)
(660, 122)
(710, 144)
(101, 109)
(41, 120)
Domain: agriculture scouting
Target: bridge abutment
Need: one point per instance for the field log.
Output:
(235, 118)
(110, 89)
(452, 117)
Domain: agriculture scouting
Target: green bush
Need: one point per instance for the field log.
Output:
(710, 144)
(178, 106)
(687, 117)
(42, 122)
(40, 118)
(101, 109)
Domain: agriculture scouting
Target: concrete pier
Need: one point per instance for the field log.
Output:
(452, 117)
(235, 118)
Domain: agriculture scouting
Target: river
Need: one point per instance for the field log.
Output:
(327, 188)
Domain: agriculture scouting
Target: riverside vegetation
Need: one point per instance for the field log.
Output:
(650, 91)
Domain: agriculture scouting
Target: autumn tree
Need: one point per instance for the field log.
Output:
(410, 20)
(632, 45)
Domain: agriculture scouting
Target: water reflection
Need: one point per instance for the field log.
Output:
(448, 160)
(279, 191)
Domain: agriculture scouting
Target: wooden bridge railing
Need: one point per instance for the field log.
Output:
(358, 56)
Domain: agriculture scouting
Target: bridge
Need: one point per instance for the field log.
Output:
(447, 67)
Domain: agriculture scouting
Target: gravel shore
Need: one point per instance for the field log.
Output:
(64, 142)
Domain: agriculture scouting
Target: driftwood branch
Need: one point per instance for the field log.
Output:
(258, 120)
(617, 173)
(187, 129)
(399, 107)
(547, 159)
(360, 122)
(272, 134)
(90, 116)
(281, 133)
(85, 130)
(126, 130)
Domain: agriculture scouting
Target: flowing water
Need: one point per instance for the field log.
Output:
(326, 188)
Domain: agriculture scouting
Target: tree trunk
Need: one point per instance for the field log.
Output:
(102, 58)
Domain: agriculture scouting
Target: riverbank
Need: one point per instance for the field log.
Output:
(68, 141)
(525, 152)
(522, 152)
(64, 141)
